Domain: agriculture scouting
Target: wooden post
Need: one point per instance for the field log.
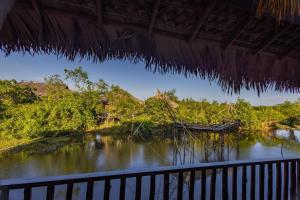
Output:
(106, 189)
(262, 182)
(286, 181)
(192, 185)
(152, 187)
(180, 186)
(203, 184)
(278, 180)
(293, 179)
(50, 192)
(69, 191)
(166, 186)
(244, 182)
(27, 193)
(234, 183)
(252, 187)
(213, 184)
(4, 195)
(122, 188)
(138, 187)
(225, 183)
(270, 181)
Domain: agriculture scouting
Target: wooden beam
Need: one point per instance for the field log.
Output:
(238, 31)
(270, 40)
(201, 19)
(154, 16)
(289, 51)
(38, 9)
(99, 12)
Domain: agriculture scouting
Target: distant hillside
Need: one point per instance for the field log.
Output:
(39, 88)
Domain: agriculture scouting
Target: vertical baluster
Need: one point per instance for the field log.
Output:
(203, 184)
(225, 183)
(180, 186)
(122, 188)
(138, 187)
(89, 190)
(4, 194)
(298, 179)
(152, 188)
(50, 192)
(234, 183)
(213, 185)
(278, 180)
(253, 175)
(106, 189)
(166, 186)
(192, 185)
(244, 182)
(293, 179)
(286, 181)
(270, 181)
(27, 193)
(262, 182)
(69, 191)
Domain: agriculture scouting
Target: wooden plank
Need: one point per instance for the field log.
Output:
(192, 185)
(225, 183)
(278, 180)
(201, 19)
(238, 31)
(244, 182)
(253, 182)
(180, 186)
(69, 194)
(261, 182)
(270, 181)
(270, 40)
(4, 195)
(289, 51)
(27, 193)
(122, 188)
(107, 187)
(203, 184)
(152, 188)
(99, 12)
(166, 186)
(153, 17)
(234, 183)
(213, 185)
(286, 181)
(138, 187)
(50, 192)
(89, 190)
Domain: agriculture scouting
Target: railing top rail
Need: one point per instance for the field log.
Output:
(98, 176)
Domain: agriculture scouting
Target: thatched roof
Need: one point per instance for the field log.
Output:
(220, 40)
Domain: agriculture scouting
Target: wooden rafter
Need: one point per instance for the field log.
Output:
(238, 31)
(37, 7)
(289, 51)
(270, 40)
(201, 19)
(99, 12)
(154, 16)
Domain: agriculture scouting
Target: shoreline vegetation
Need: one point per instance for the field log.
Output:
(32, 111)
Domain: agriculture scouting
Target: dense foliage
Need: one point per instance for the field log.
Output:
(90, 105)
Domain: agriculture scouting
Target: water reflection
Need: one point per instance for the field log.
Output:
(92, 153)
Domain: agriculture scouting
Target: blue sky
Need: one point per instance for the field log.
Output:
(132, 77)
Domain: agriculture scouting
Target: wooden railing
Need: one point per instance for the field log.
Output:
(259, 179)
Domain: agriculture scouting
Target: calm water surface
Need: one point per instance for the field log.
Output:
(94, 153)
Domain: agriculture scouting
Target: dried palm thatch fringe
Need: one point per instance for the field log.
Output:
(5, 7)
(76, 37)
(281, 9)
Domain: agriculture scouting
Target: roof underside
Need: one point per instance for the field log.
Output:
(217, 40)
